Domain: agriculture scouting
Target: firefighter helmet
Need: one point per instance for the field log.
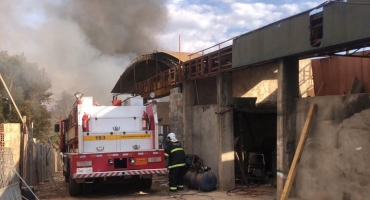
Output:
(171, 136)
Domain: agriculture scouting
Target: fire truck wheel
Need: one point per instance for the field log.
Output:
(75, 188)
(146, 183)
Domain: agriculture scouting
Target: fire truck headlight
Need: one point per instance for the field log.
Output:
(110, 161)
(132, 160)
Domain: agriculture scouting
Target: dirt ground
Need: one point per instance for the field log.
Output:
(57, 189)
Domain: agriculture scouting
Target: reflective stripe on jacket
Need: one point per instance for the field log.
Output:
(176, 155)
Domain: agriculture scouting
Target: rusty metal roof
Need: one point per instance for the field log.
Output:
(146, 66)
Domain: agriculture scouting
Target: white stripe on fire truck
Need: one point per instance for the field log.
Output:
(107, 174)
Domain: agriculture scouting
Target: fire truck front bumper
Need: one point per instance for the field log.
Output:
(120, 173)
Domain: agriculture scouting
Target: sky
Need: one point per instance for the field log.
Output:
(86, 45)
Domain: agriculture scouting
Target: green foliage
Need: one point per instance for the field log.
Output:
(29, 87)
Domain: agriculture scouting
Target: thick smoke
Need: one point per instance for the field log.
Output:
(84, 45)
(118, 26)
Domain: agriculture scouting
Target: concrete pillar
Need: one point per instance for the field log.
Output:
(288, 91)
(189, 100)
(225, 132)
(176, 113)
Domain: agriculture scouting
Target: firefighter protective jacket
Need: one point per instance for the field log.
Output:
(176, 155)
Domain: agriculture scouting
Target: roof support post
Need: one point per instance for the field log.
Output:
(288, 91)
(226, 168)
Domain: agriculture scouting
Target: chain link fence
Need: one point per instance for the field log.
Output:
(9, 181)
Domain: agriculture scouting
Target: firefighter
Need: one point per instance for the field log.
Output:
(175, 157)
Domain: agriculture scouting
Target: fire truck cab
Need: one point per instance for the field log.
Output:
(110, 144)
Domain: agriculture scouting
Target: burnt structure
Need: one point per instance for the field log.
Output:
(331, 29)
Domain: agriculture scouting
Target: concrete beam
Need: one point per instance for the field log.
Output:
(288, 91)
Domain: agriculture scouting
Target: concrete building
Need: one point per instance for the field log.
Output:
(248, 99)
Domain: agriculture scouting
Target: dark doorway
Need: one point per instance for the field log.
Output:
(255, 145)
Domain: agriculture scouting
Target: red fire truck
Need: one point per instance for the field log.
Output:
(105, 144)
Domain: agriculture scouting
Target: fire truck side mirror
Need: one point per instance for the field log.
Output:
(56, 128)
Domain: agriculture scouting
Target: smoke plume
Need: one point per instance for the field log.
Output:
(84, 45)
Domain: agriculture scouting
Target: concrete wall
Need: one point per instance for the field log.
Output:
(162, 111)
(201, 130)
(261, 81)
(205, 135)
(203, 91)
(12, 140)
(206, 91)
(335, 160)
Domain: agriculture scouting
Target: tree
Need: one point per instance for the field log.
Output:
(29, 87)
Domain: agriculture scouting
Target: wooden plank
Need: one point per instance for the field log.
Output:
(297, 155)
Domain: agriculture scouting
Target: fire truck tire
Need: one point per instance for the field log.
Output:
(75, 188)
(146, 183)
(66, 171)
